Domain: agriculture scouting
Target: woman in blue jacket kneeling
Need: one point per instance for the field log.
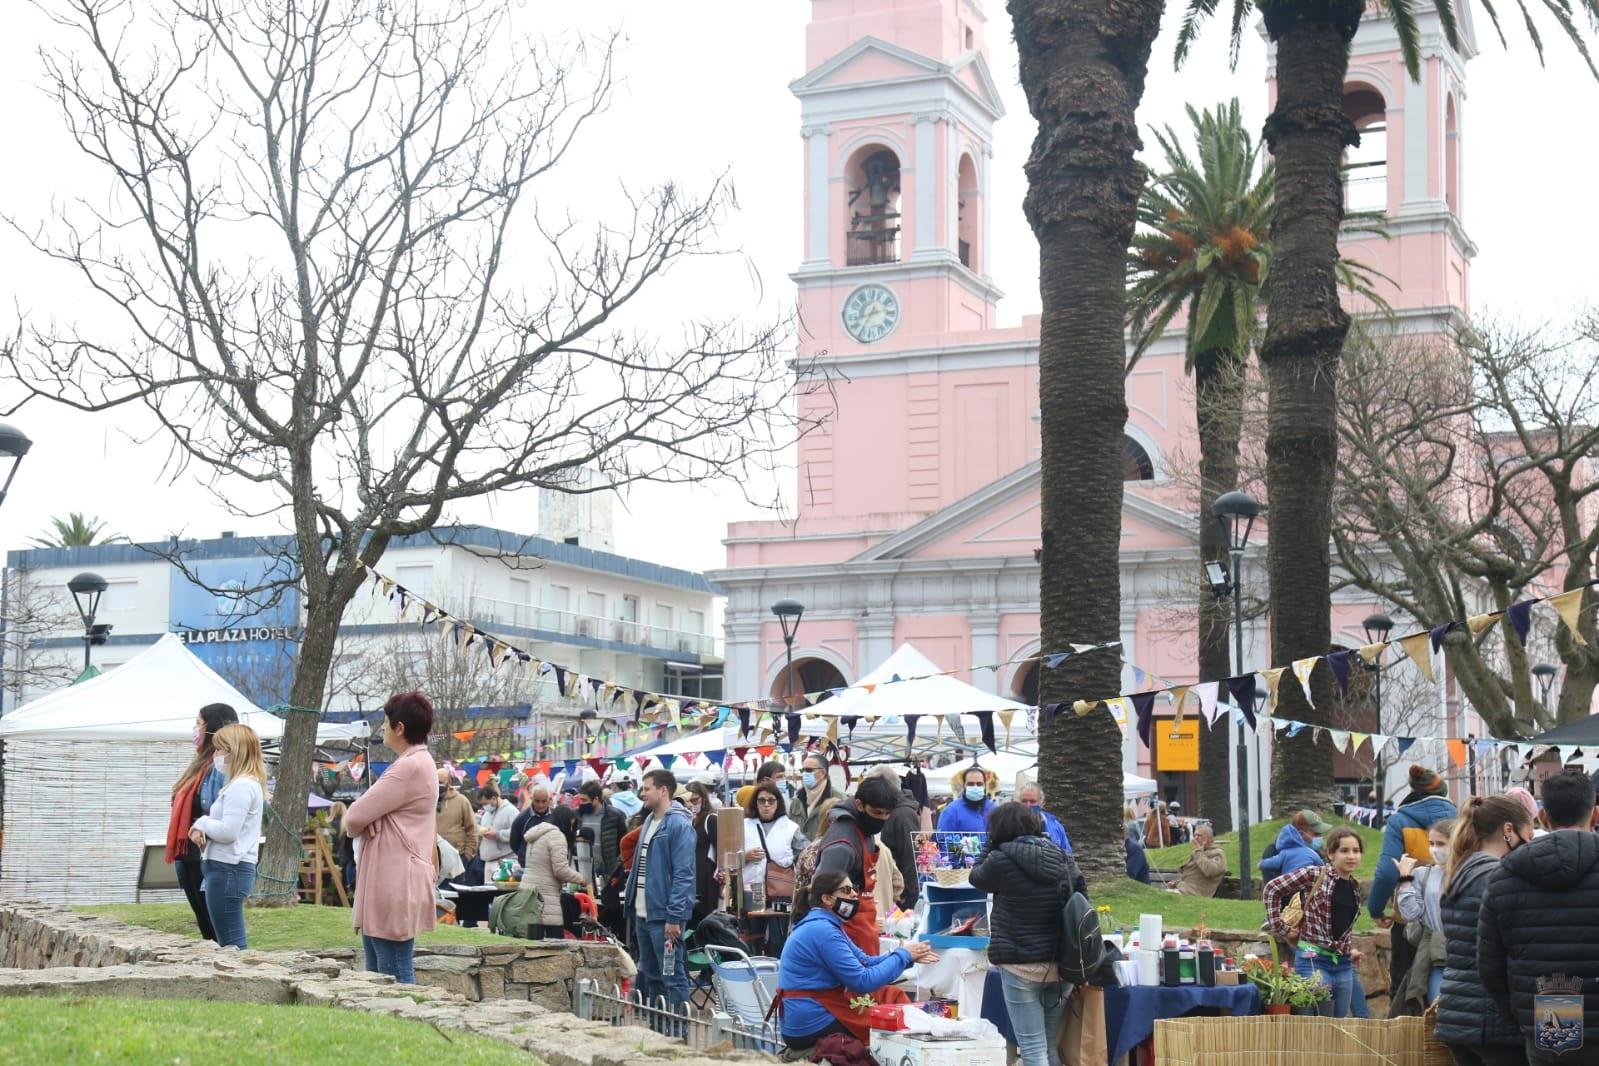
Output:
(822, 969)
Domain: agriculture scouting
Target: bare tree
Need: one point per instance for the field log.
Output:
(314, 211)
(1465, 486)
(31, 614)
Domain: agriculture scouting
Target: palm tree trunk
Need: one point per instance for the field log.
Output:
(1218, 405)
(1305, 330)
(1082, 67)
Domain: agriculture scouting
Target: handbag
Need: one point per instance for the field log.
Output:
(779, 883)
(1292, 916)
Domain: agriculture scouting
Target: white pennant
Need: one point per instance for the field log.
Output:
(1206, 691)
(1303, 668)
(1340, 739)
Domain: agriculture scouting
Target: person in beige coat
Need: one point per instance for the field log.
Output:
(548, 868)
(1201, 873)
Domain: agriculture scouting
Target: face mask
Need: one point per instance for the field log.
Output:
(1514, 841)
(976, 793)
(220, 762)
(809, 778)
(1440, 855)
(1315, 843)
(845, 908)
(1037, 808)
(199, 735)
(868, 824)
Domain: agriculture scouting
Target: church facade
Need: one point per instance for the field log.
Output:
(917, 503)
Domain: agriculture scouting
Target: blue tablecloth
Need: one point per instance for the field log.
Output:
(1130, 1013)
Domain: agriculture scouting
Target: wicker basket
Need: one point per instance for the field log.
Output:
(1266, 1041)
(950, 878)
(1436, 1053)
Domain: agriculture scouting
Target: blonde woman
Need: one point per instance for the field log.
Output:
(230, 836)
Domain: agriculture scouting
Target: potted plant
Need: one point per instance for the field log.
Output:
(1282, 989)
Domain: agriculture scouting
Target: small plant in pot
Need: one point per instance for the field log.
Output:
(1282, 989)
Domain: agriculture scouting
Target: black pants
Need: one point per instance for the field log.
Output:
(810, 1040)
(189, 880)
(549, 932)
(1401, 953)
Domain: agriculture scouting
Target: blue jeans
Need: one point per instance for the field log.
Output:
(650, 939)
(392, 957)
(227, 886)
(1037, 1009)
(1338, 976)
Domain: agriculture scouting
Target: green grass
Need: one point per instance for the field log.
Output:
(179, 1033)
(279, 928)
(1261, 834)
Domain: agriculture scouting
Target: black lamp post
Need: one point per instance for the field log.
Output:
(788, 614)
(14, 444)
(1236, 512)
(1377, 627)
(86, 589)
(1544, 674)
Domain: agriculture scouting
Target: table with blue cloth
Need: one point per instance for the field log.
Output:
(1130, 1013)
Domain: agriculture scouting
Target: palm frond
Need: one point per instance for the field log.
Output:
(1194, 18)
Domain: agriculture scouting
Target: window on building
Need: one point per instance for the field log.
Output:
(695, 622)
(120, 596)
(661, 616)
(1366, 164)
(1136, 464)
(873, 208)
(416, 578)
(970, 210)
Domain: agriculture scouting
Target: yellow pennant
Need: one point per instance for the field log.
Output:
(832, 728)
(1303, 669)
(1179, 696)
(1274, 678)
(1478, 623)
(1005, 719)
(1083, 707)
(1372, 652)
(1569, 604)
(1121, 709)
(1418, 646)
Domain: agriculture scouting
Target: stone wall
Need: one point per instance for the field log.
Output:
(45, 951)
(33, 938)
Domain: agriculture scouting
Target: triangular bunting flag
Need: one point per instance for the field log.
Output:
(1340, 739)
(910, 732)
(1121, 709)
(1303, 668)
(1520, 616)
(1405, 743)
(1274, 678)
(1356, 740)
(1478, 623)
(1084, 707)
(1420, 653)
(1372, 652)
(1206, 691)
(1457, 752)
(1179, 696)
(985, 726)
(1438, 633)
(1569, 604)
(1338, 662)
(1144, 715)
(1243, 693)
(1568, 752)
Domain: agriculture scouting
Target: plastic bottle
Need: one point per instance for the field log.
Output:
(669, 958)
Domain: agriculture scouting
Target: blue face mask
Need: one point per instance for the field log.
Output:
(808, 778)
(976, 793)
(1315, 843)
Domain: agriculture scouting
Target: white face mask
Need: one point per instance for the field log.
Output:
(220, 762)
(1440, 855)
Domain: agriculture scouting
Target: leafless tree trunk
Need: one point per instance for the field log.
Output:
(313, 212)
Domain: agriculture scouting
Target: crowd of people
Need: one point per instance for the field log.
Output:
(1494, 907)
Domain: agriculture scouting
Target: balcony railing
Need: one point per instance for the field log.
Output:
(873, 240)
(571, 623)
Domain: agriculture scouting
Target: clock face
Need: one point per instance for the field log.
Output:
(870, 313)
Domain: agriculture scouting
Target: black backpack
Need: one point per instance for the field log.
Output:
(1082, 948)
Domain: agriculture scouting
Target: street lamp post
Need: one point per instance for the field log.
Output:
(14, 444)
(788, 614)
(1236, 512)
(1377, 627)
(86, 589)
(1544, 674)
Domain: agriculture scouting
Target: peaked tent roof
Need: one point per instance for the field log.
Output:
(1583, 732)
(932, 692)
(153, 696)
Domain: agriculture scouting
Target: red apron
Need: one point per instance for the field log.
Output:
(835, 1001)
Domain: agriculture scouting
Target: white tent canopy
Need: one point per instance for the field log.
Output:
(932, 692)
(152, 697)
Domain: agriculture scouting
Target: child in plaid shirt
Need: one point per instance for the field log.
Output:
(1331, 901)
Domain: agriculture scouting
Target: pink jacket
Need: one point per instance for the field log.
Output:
(394, 885)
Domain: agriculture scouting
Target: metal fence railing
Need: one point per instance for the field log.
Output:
(700, 1029)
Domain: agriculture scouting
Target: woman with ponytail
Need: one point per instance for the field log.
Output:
(1469, 1024)
(192, 795)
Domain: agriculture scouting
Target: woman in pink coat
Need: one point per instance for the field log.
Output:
(394, 830)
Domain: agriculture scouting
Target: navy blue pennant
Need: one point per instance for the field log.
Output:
(1144, 714)
(1339, 661)
(793, 728)
(1438, 633)
(1520, 615)
(1243, 690)
(985, 725)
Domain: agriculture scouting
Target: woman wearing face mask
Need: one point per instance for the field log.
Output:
(230, 835)
(1469, 1024)
(816, 788)
(968, 810)
(822, 970)
(1331, 900)
(192, 795)
(1418, 899)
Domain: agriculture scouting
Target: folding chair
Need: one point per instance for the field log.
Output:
(745, 986)
(697, 964)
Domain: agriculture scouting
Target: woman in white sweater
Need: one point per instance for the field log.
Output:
(230, 835)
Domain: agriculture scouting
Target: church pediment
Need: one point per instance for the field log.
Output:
(1002, 519)
(873, 60)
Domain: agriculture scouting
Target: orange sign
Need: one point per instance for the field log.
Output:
(1176, 746)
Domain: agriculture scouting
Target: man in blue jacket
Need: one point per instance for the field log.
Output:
(968, 811)
(660, 888)
(1406, 834)
(1033, 796)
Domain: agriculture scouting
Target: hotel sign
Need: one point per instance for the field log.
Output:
(237, 634)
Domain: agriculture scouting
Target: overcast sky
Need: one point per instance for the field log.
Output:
(705, 92)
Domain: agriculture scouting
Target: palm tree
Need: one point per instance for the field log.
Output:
(1202, 250)
(1307, 133)
(75, 531)
(1082, 67)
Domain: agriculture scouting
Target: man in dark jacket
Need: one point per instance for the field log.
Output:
(850, 821)
(537, 812)
(595, 813)
(896, 837)
(1538, 935)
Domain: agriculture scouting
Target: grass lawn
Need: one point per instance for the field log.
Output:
(45, 1029)
(1261, 834)
(279, 928)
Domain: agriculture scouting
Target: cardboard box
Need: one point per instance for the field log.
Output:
(1229, 977)
(910, 1049)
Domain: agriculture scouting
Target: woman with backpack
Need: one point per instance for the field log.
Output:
(1030, 878)
(1329, 900)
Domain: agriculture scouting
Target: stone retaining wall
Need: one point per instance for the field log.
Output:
(33, 938)
(513, 993)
